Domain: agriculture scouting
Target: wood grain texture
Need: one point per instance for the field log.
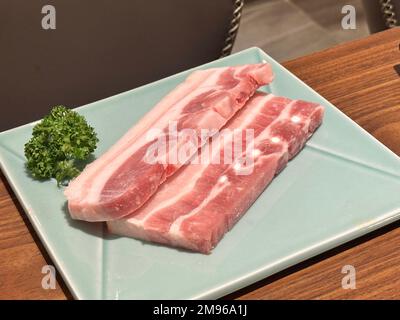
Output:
(22, 256)
(360, 79)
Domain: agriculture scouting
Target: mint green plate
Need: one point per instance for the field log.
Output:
(341, 186)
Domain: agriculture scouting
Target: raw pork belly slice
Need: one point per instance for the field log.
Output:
(121, 180)
(199, 204)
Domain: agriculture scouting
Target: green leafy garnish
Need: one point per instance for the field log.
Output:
(59, 144)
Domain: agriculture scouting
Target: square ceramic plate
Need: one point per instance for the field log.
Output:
(341, 186)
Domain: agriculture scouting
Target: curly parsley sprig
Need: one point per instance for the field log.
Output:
(59, 143)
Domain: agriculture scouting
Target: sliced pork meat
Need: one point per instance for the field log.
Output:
(126, 176)
(200, 203)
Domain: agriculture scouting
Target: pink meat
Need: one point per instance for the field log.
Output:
(199, 204)
(122, 180)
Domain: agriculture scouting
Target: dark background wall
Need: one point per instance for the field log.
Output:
(99, 48)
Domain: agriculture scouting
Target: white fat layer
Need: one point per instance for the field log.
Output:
(196, 174)
(174, 113)
(175, 228)
(77, 187)
(175, 231)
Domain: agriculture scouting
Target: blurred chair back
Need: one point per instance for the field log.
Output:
(382, 14)
(100, 48)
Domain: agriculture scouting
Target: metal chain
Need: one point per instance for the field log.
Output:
(233, 28)
(389, 15)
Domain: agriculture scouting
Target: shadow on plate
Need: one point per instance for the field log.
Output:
(99, 229)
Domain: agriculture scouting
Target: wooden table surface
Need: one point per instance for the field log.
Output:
(360, 79)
